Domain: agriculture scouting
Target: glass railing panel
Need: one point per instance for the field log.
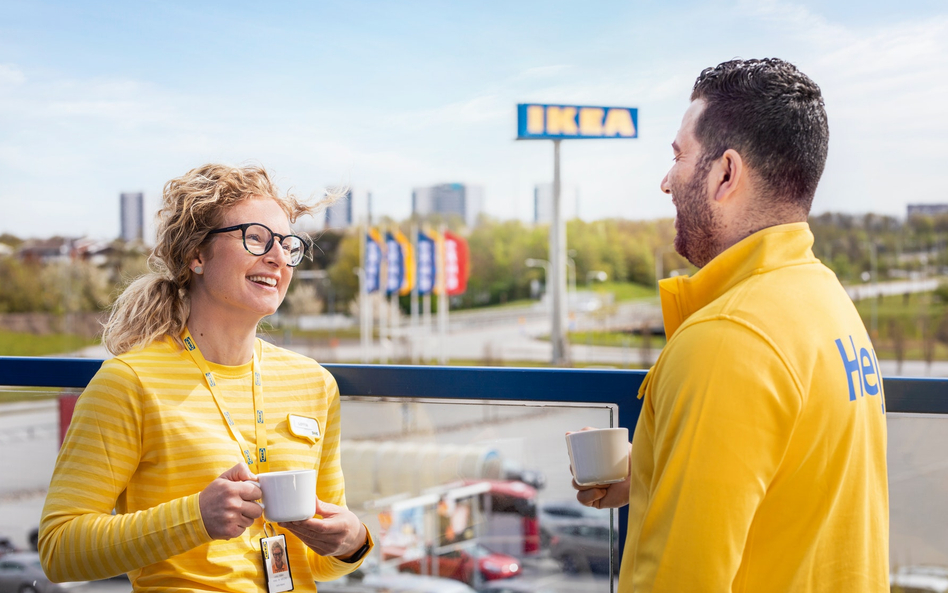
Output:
(29, 439)
(918, 489)
(473, 492)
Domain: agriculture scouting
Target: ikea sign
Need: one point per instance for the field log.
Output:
(560, 122)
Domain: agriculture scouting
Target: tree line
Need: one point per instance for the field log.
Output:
(627, 251)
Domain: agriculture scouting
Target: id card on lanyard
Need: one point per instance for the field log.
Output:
(255, 458)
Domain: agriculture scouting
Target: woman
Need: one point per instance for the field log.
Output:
(171, 432)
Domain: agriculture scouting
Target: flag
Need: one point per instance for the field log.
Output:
(426, 266)
(373, 260)
(394, 269)
(408, 263)
(456, 270)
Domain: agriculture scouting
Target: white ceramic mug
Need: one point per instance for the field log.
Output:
(599, 456)
(288, 495)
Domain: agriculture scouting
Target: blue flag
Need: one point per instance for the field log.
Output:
(425, 260)
(393, 256)
(373, 260)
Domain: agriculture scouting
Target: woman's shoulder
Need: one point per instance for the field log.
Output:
(161, 351)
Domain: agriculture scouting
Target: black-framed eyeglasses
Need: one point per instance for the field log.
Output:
(258, 240)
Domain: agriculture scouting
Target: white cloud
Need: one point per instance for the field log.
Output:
(10, 75)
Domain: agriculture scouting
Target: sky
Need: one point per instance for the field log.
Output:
(99, 98)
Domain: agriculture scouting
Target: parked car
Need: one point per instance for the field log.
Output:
(515, 586)
(582, 546)
(920, 579)
(21, 572)
(569, 511)
(565, 512)
(358, 582)
(460, 564)
(401, 583)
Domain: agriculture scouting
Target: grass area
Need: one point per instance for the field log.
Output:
(25, 344)
(626, 291)
(911, 310)
(20, 394)
(616, 339)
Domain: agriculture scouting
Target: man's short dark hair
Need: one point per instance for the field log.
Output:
(773, 115)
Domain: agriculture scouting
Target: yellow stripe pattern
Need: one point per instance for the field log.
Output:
(146, 438)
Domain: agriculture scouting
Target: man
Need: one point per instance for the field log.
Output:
(759, 459)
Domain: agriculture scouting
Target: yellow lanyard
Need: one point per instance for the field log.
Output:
(258, 463)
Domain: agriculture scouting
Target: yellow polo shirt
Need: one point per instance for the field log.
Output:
(759, 458)
(146, 438)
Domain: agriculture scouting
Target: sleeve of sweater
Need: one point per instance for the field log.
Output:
(81, 538)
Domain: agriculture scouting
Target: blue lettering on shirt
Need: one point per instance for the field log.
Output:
(865, 366)
(868, 369)
(851, 366)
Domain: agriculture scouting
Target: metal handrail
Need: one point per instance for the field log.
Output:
(582, 386)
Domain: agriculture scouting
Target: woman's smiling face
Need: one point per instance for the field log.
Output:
(234, 283)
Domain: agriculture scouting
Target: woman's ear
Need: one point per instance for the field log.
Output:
(197, 264)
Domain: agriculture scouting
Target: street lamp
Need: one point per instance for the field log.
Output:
(539, 263)
(596, 275)
(873, 321)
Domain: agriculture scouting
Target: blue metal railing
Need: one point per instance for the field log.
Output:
(599, 386)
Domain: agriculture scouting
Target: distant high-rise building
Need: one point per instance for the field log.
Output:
(339, 214)
(543, 202)
(927, 209)
(132, 212)
(447, 199)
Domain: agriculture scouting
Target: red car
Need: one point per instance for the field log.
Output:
(459, 564)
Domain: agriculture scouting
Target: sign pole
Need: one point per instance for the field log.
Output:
(365, 315)
(557, 280)
(415, 346)
(537, 121)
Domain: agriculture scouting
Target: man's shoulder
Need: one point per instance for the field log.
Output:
(783, 298)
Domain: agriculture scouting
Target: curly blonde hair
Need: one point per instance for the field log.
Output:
(157, 304)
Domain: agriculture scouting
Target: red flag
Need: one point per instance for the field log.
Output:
(456, 270)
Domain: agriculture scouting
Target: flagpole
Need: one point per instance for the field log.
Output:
(442, 304)
(380, 301)
(414, 297)
(363, 301)
(393, 303)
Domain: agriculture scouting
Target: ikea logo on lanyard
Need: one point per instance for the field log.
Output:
(862, 369)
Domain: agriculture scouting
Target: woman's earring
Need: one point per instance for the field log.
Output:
(198, 270)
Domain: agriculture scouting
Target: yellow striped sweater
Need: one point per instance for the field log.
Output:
(146, 438)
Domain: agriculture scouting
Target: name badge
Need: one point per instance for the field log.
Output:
(304, 427)
(276, 563)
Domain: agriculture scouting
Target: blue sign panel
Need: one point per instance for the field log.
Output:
(564, 122)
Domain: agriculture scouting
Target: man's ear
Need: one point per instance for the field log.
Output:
(728, 175)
